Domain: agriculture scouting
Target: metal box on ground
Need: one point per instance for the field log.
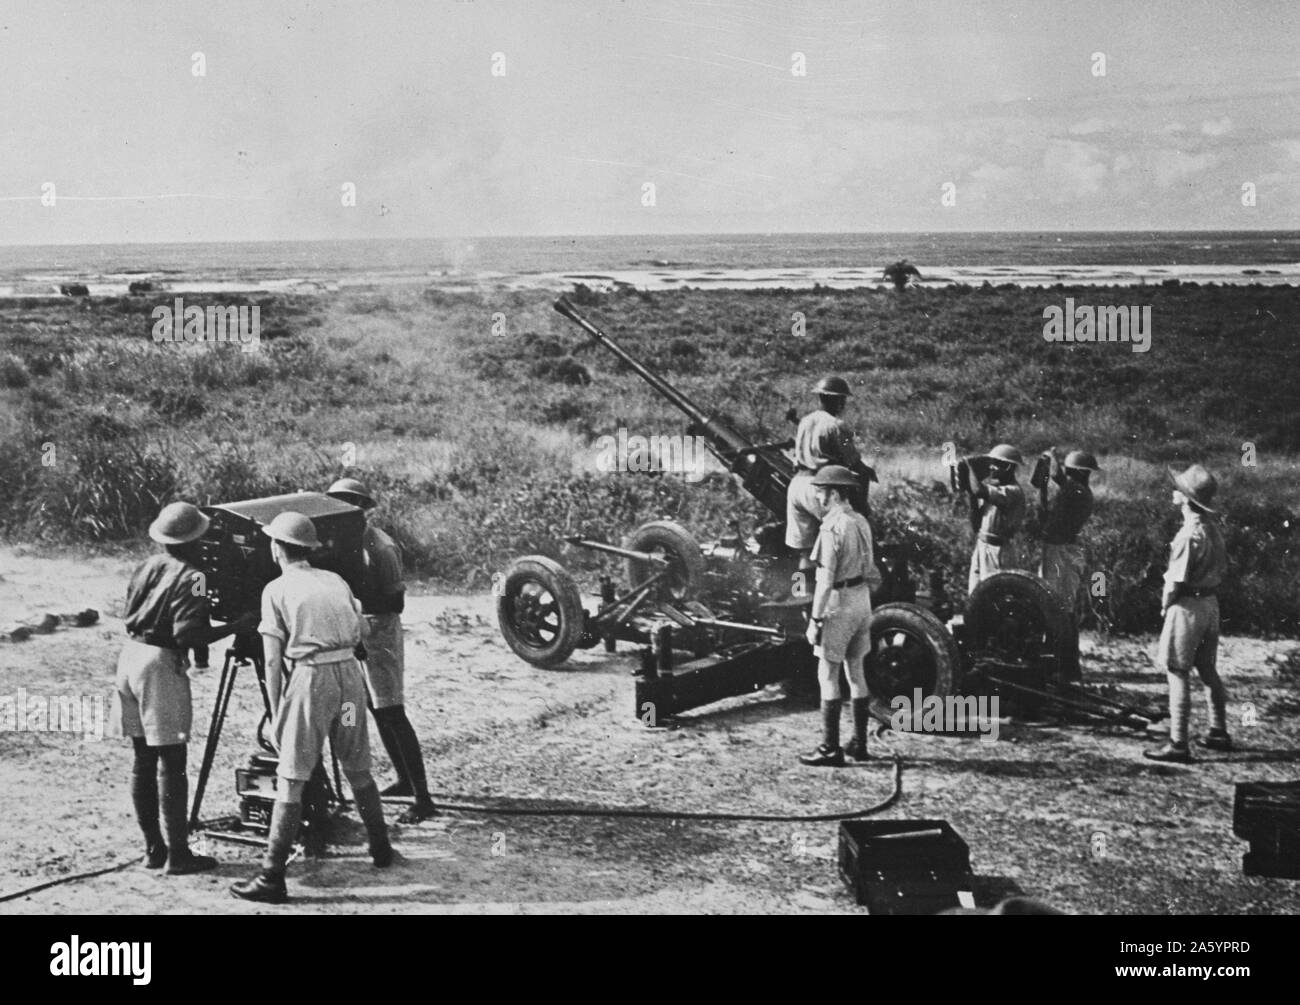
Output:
(1267, 814)
(257, 785)
(904, 866)
(235, 555)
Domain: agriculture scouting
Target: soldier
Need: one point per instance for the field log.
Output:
(840, 625)
(167, 613)
(1190, 607)
(383, 599)
(1062, 518)
(1001, 510)
(311, 620)
(822, 439)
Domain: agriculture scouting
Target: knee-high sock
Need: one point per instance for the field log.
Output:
(175, 800)
(1180, 705)
(144, 793)
(861, 716)
(371, 811)
(384, 722)
(286, 818)
(1216, 697)
(831, 722)
(408, 745)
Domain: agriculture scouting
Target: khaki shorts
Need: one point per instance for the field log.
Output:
(385, 664)
(985, 561)
(1062, 568)
(322, 700)
(846, 635)
(803, 513)
(1191, 635)
(152, 695)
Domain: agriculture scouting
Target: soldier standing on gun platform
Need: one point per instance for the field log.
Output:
(822, 438)
(1001, 510)
(1190, 607)
(383, 599)
(311, 620)
(840, 625)
(167, 612)
(1062, 518)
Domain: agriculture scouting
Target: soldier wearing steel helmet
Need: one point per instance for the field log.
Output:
(167, 613)
(1062, 517)
(822, 438)
(839, 628)
(313, 623)
(382, 602)
(1001, 510)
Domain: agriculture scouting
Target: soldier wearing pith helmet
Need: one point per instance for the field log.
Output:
(383, 598)
(1190, 607)
(1001, 511)
(311, 625)
(822, 438)
(1062, 518)
(839, 628)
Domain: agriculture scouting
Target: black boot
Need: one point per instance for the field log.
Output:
(144, 796)
(267, 887)
(857, 747)
(384, 724)
(371, 812)
(1170, 753)
(829, 754)
(175, 812)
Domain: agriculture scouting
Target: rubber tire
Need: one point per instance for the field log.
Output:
(682, 550)
(922, 626)
(555, 580)
(981, 618)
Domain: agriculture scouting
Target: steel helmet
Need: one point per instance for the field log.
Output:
(1005, 453)
(293, 528)
(178, 523)
(833, 385)
(1082, 460)
(349, 490)
(1197, 484)
(835, 474)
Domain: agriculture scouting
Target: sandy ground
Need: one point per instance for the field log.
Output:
(1068, 813)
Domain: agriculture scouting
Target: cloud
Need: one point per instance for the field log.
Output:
(1217, 127)
(1074, 168)
(1089, 126)
(1172, 166)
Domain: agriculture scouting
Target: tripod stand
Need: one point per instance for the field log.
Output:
(247, 651)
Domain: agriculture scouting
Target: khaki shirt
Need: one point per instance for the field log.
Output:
(1003, 511)
(310, 610)
(165, 599)
(1067, 512)
(823, 439)
(1197, 556)
(383, 571)
(843, 547)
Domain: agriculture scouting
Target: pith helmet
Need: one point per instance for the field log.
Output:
(178, 523)
(833, 385)
(1005, 453)
(349, 490)
(1197, 484)
(834, 474)
(293, 528)
(1082, 460)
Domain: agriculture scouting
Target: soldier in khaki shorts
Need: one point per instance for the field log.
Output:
(840, 625)
(383, 598)
(1197, 562)
(822, 438)
(311, 620)
(1001, 504)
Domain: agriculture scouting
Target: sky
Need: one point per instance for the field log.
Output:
(499, 117)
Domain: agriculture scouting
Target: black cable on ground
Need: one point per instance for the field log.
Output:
(540, 811)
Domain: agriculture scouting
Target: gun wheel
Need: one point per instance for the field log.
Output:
(675, 543)
(910, 649)
(539, 611)
(1014, 617)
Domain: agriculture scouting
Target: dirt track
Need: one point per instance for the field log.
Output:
(1030, 806)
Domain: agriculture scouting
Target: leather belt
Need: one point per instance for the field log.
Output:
(327, 656)
(845, 584)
